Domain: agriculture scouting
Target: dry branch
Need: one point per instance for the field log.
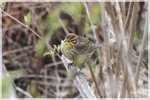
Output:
(78, 79)
(144, 40)
(97, 42)
(126, 64)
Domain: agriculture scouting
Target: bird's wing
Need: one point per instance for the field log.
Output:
(84, 46)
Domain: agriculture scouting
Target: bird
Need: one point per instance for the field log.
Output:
(77, 48)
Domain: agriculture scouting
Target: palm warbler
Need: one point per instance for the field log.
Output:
(77, 48)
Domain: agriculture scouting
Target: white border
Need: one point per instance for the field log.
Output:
(76, 1)
(0, 53)
(148, 49)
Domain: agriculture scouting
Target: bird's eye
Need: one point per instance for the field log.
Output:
(74, 41)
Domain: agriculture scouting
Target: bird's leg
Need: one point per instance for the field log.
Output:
(78, 73)
(70, 64)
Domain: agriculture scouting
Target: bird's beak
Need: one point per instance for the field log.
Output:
(65, 39)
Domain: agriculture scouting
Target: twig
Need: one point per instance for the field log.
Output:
(23, 92)
(44, 39)
(79, 79)
(17, 50)
(118, 68)
(93, 76)
(21, 23)
(122, 6)
(127, 65)
(51, 94)
(128, 16)
(41, 76)
(104, 19)
(110, 11)
(97, 42)
(145, 35)
(53, 64)
(54, 84)
(46, 81)
(114, 19)
(132, 27)
(133, 22)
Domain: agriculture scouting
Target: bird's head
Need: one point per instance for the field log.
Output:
(70, 40)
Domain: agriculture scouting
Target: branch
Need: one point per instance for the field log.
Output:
(97, 42)
(128, 16)
(127, 64)
(79, 79)
(21, 23)
(145, 35)
(104, 19)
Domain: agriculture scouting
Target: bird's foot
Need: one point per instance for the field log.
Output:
(78, 73)
(70, 64)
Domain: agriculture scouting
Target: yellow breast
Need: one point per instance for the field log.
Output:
(68, 45)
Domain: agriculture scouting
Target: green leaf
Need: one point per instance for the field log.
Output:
(87, 28)
(39, 47)
(93, 65)
(53, 19)
(74, 9)
(5, 85)
(95, 14)
(6, 81)
(57, 48)
(136, 40)
(28, 19)
(48, 53)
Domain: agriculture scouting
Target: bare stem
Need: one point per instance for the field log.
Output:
(93, 76)
(145, 34)
(79, 79)
(128, 16)
(21, 23)
(97, 42)
(104, 19)
(127, 64)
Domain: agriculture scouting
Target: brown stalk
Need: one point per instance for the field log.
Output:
(122, 7)
(127, 64)
(132, 27)
(110, 11)
(107, 49)
(145, 35)
(126, 25)
(133, 22)
(93, 77)
(95, 36)
(119, 61)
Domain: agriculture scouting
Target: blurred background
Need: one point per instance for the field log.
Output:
(45, 76)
